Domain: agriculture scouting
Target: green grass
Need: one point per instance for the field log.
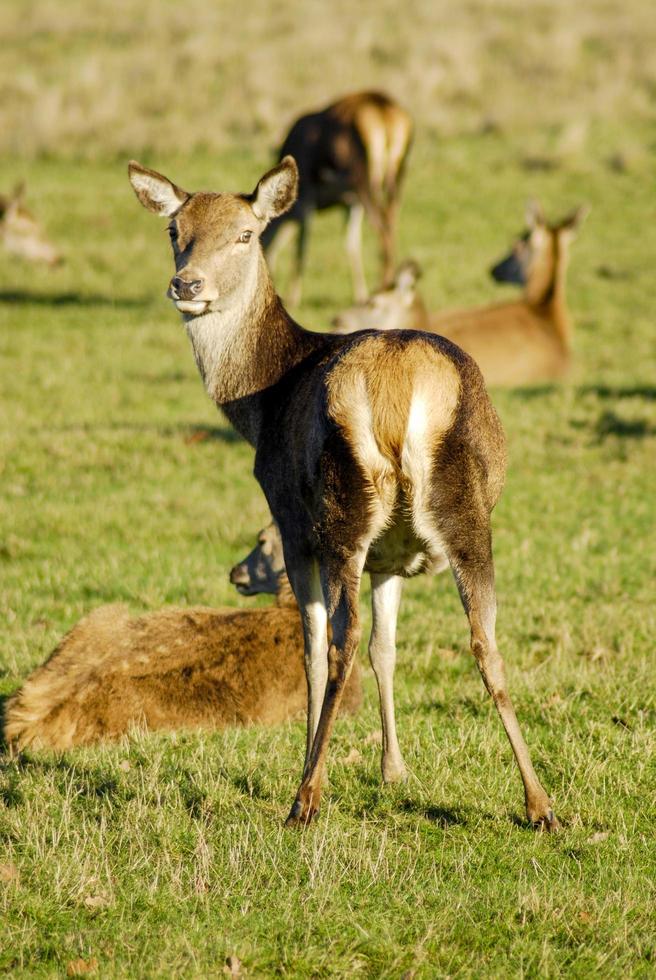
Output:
(165, 854)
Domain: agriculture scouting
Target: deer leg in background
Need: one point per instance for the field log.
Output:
(354, 250)
(283, 235)
(296, 285)
(385, 600)
(342, 592)
(474, 573)
(388, 240)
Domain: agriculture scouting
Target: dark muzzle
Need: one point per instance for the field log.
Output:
(185, 288)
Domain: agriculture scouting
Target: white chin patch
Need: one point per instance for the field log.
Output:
(191, 305)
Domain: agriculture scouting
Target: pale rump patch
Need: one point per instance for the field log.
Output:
(394, 403)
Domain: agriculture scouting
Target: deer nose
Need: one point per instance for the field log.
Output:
(185, 288)
(239, 575)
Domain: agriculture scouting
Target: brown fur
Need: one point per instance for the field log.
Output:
(352, 154)
(176, 668)
(378, 451)
(20, 232)
(516, 343)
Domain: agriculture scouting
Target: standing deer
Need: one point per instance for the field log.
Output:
(20, 232)
(352, 153)
(376, 452)
(514, 343)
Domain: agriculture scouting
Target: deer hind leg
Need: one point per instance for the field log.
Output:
(472, 565)
(284, 234)
(354, 250)
(388, 239)
(385, 601)
(342, 590)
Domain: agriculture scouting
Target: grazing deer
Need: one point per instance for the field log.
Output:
(176, 668)
(20, 232)
(377, 452)
(352, 153)
(514, 343)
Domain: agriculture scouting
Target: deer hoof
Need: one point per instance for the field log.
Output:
(548, 822)
(301, 814)
(394, 773)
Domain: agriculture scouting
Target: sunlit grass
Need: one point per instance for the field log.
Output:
(165, 854)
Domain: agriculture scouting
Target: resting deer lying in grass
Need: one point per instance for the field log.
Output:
(513, 343)
(352, 153)
(20, 232)
(377, 452)
(176, 668)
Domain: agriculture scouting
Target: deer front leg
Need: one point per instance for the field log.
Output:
(346, 635)
(385, 599)
(306, 584)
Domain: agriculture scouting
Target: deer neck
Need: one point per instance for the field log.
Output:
(545, 293)
(246, 347)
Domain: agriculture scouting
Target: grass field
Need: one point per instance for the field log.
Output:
(163, 855)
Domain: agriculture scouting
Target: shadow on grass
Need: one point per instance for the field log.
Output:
(439, 815)
(190, 434)
(610, 424)
(648, 392)
(27, 298)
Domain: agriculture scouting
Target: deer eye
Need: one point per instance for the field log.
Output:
(245, 237)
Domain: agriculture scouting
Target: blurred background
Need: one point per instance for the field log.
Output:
(86, 79)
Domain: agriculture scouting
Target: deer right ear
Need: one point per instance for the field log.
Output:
(276, 191)
(407, 275)
(156, 192)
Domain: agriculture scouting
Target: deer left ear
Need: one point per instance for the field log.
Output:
(276, 191)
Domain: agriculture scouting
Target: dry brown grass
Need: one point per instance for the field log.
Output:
(85, 78)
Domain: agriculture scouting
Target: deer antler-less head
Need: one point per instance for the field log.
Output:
(21, 233)
(535, 255)
(215, 237)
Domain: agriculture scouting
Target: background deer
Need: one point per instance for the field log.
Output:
(377, 452)
(20, 232)
(352, 153)
(176, 668)
(514, 343)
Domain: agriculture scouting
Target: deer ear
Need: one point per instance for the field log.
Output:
(156, 192)
(407, 275)
(276, 191)
(18, 193)
(573, 221)
(534, 214)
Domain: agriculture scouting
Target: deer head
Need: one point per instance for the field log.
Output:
(214, 237)
(263, 569)
(20, 232)
(395, 307)
(534, 256)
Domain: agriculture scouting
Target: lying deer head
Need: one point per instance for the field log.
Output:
(20, 232)
(263, 569)
(395, 307)
(215, 237)
(535, 256)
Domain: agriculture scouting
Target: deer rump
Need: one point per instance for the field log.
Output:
(176, 668)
